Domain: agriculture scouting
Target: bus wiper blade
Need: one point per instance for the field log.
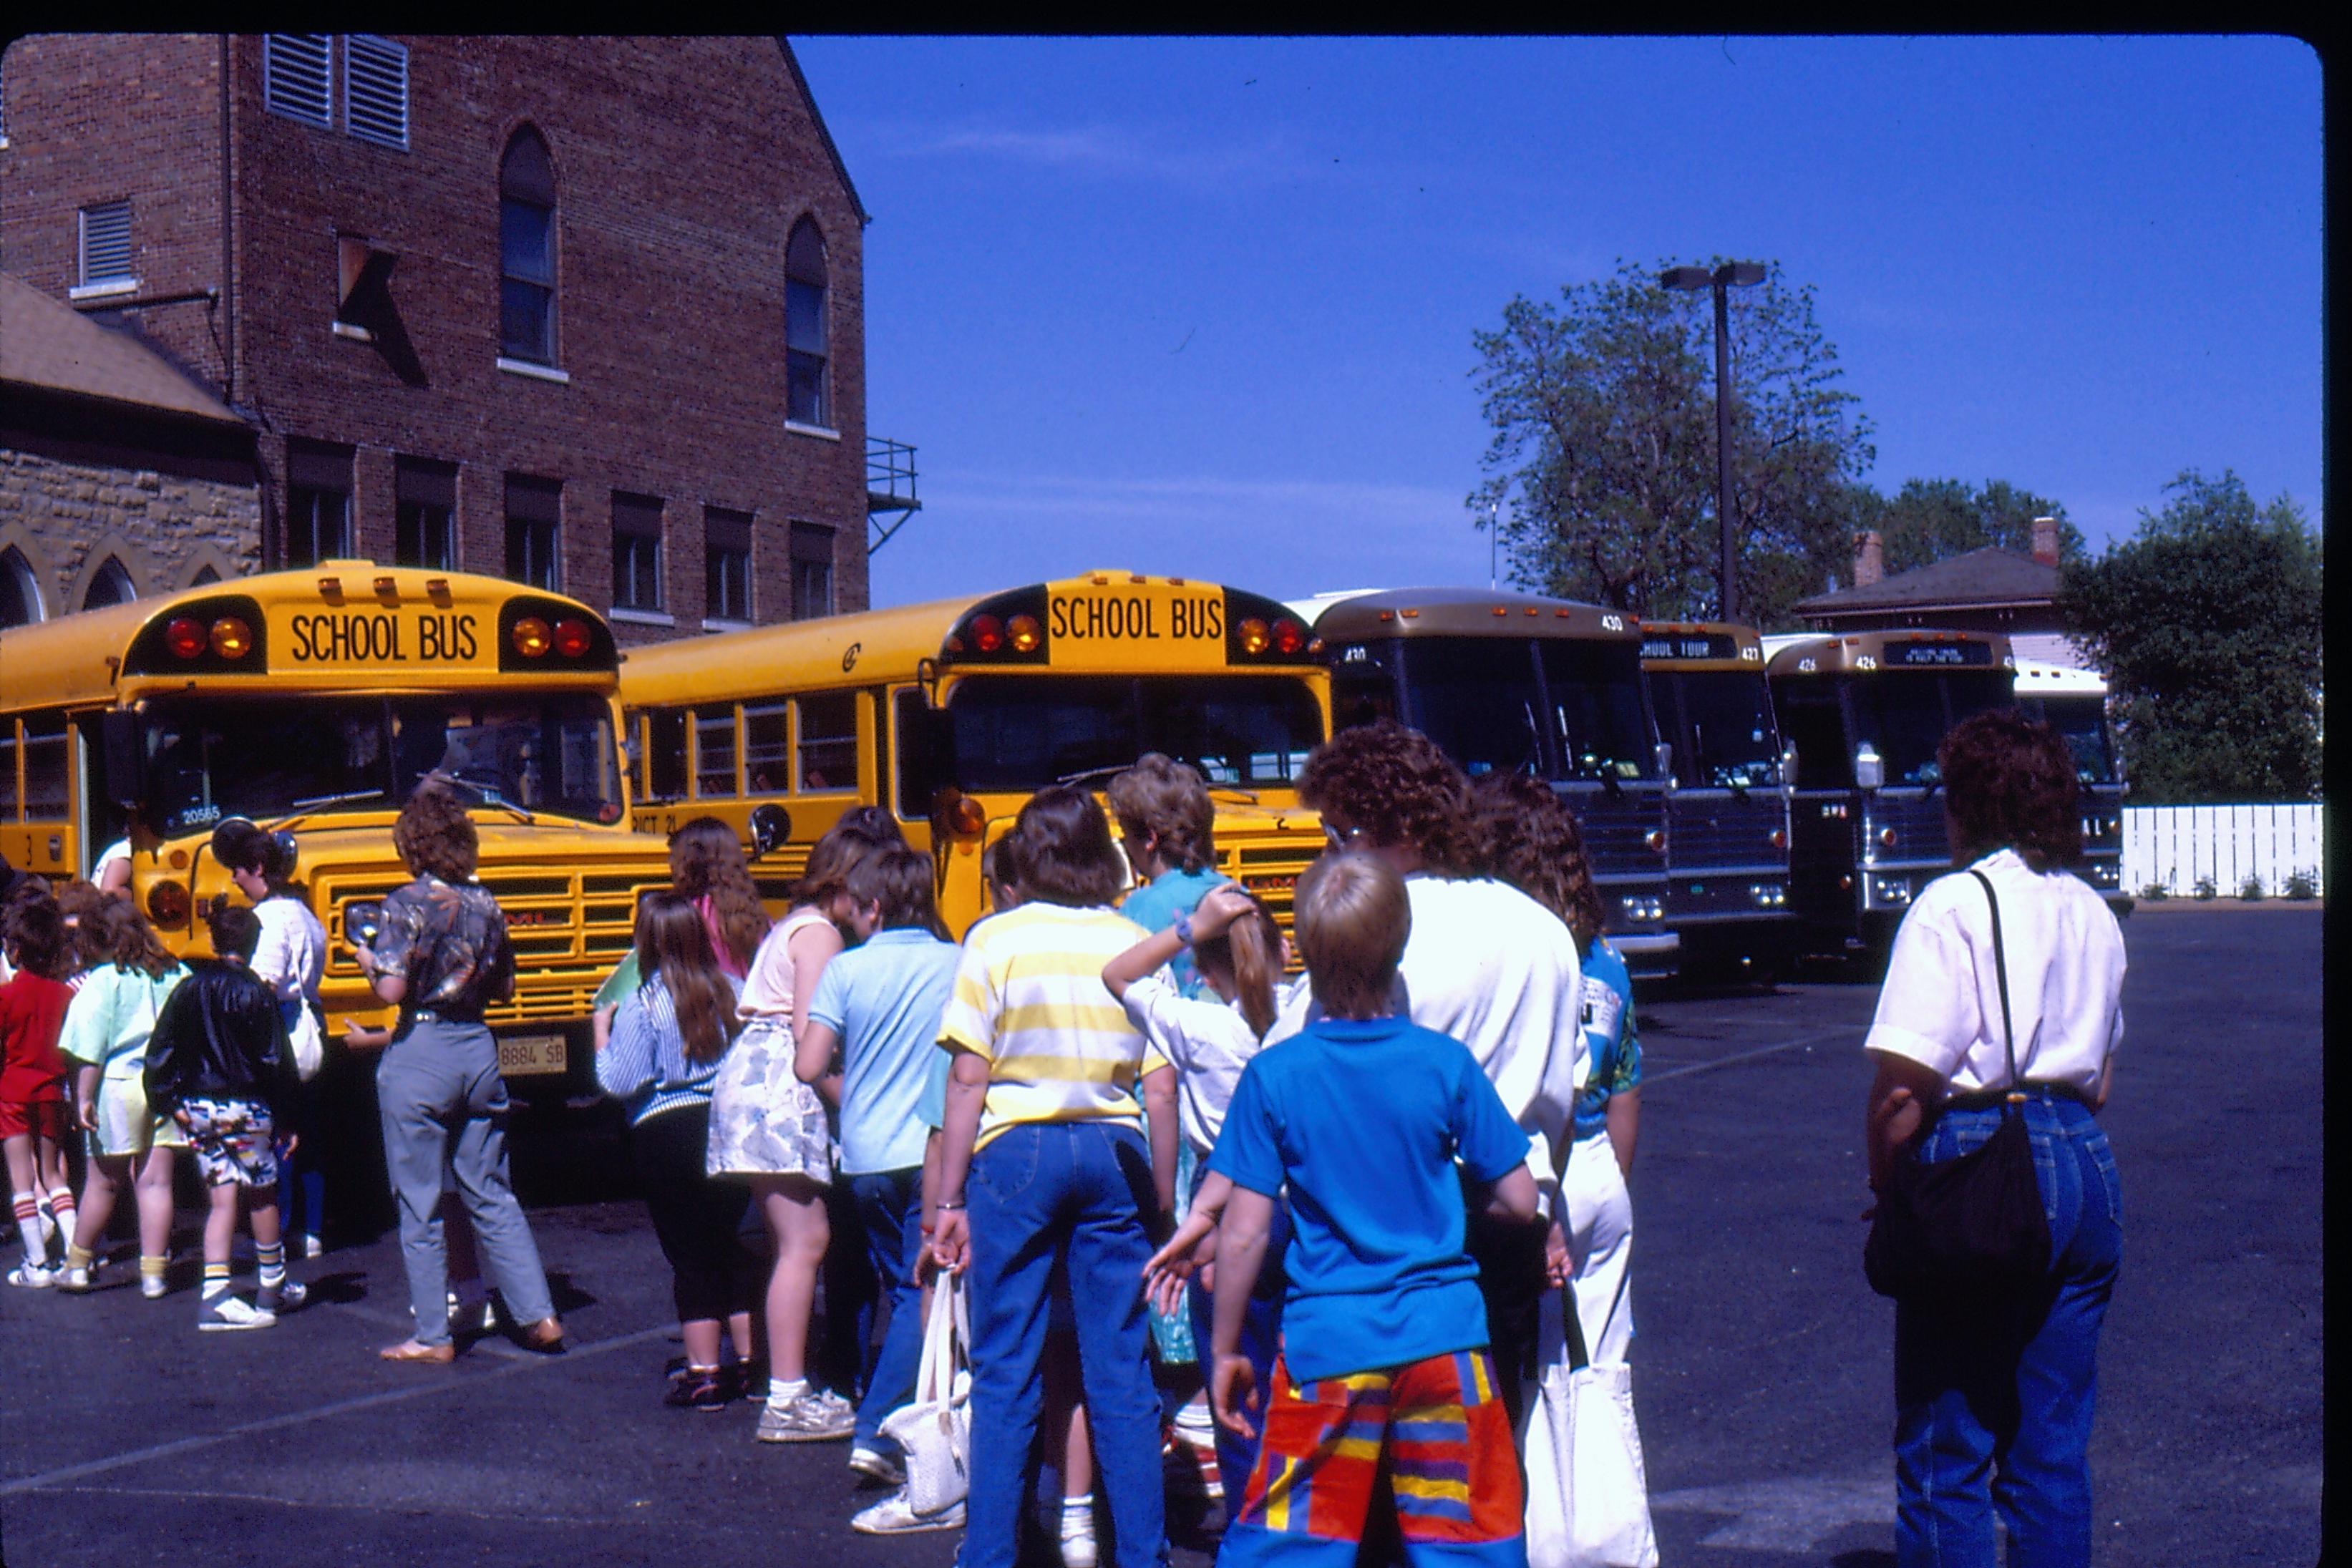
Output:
(345, 798)
(489, 797)
(1105, 771)
(1227, 792)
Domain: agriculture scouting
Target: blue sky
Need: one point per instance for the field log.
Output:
(1205, 307)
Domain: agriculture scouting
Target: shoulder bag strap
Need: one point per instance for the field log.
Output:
(2001, 973)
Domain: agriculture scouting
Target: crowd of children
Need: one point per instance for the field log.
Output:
(1359, 1184)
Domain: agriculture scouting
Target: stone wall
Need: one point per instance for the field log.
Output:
(66, 519)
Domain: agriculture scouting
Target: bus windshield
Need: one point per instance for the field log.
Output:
(1476, 697)
(1596, 699)
(1727, 740)
(1904, 717)
(2081, 721)
(1024, 732)
(271, 758)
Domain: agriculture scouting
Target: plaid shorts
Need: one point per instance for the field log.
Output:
(233, 1139)
(1440, 1426)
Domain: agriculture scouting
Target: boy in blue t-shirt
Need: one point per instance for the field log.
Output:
(880, 1003)
(1362, 1117)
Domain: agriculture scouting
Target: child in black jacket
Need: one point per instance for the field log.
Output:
(220, 1063)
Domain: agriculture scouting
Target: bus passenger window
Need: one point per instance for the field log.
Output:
(7, 769)
(714, 751)
(828, 752)
(665, 754)
(767, 749)
(46, 793)
(1815, 724)
(926, 757)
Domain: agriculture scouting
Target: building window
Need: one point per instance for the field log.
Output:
(534, 533)
(20, 591)
(375, 90)
(318, 503)
(527, 250)
(636, 552)
(811, 570)
(295, 77)
(425, 513)
(727, 564)
(105, 245)
(805, 398)
(110, 585)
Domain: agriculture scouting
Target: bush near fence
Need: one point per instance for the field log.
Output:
(2175, 847)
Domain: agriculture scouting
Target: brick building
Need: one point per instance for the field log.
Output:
(586, 312)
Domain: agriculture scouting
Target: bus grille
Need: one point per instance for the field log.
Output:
(1918, 824)
(1616, 833)
(569, 929)
(1723, 833)
(1270, 868)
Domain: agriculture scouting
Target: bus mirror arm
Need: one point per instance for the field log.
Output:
(1661, 757)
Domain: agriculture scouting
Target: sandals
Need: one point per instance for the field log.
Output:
(440, 1355)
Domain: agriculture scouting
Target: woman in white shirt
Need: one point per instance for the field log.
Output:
(291, 956)
(1994, 1390)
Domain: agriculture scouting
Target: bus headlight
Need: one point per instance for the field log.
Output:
(1767, 894)
(1891, 889)
(361, 918)
(1639, 907)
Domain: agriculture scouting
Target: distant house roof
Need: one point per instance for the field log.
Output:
(1982, 576)
(50, 346)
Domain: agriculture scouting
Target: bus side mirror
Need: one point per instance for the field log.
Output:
(771, 826)
(1661, 757)
(126, 757)
(1789, 763)
(1869, 770)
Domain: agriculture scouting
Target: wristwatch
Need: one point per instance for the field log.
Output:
(1184, 928)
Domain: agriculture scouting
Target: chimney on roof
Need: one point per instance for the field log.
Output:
(1869, 559)
(2045, 540)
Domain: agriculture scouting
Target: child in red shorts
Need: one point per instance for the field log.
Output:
(32, 1078)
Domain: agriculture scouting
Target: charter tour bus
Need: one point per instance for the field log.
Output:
(2073, 702)
(1517, 683)
(952, 714)
(1727, 807)
(1865, 711)
(310, 702)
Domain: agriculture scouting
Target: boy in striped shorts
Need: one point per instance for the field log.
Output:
(1363, 1116)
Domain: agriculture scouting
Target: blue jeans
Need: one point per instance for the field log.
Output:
(1076, 1193)
(890, 1205)
(1261, 1338)
(1993, 1396)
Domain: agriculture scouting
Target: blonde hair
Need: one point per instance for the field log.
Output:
(1249, 953)
(1352, 918)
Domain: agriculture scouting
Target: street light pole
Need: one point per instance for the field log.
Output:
(1731, 274)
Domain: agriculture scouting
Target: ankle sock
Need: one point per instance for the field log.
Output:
(782, 1391)
(216, 1278)
(269, 1265)
(61, 1203)
(28, 1228)
(153, 1265)
(79, 1257)
(1078, 1515)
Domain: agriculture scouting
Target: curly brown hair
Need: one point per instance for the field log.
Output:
(434, 836)
(2009, 783)
(1394, 786)
(1167, 801)
(121, 936)
(1523, 833)
(705, 858)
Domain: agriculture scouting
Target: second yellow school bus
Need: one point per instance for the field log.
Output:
(952, 714)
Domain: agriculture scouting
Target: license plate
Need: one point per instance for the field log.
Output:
(532, 1055)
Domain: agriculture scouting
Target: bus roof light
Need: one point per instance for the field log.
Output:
(572, 639)
(388, 588)
(1411, 614)
(531, 637)
(1253, 638)
(1023, 633)
(332, 587)
(185, 636)
(987, 633)
(1289, 637)
(231, 638)
(1502, 609)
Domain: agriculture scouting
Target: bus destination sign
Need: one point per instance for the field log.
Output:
(1936, 656)
(1689, 645)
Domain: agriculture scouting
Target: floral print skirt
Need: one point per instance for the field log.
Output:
(764, 1120)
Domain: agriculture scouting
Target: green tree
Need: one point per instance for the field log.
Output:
(1930, 520)
(2206, 624)
(1601, 472)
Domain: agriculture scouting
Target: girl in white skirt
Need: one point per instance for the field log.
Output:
(769, 1126)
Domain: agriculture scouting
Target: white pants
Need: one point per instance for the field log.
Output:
(1601, 1233)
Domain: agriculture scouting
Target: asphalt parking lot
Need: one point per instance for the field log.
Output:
(1762, 1360)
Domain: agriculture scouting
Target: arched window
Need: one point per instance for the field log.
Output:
(527, 250)
(20, 591)
(806, 395)
(204, 574)
(110, 585)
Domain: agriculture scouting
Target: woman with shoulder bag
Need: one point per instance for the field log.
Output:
(441, 956)
(2002, 1000)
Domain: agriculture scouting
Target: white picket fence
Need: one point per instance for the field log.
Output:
(2175, 845)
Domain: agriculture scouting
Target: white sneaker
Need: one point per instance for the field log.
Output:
(1078, 1542)
(226, 1311)
(155, 1287)
(877, 1465)
(72, 1278)
(32, 1277)
(311, 1248)
(893, 1516)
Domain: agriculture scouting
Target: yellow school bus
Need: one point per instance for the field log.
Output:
(952, 714)
(312, 702)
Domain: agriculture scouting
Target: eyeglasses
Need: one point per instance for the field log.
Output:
(1340, 839)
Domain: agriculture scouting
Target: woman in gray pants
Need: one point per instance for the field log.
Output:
(440, 954)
